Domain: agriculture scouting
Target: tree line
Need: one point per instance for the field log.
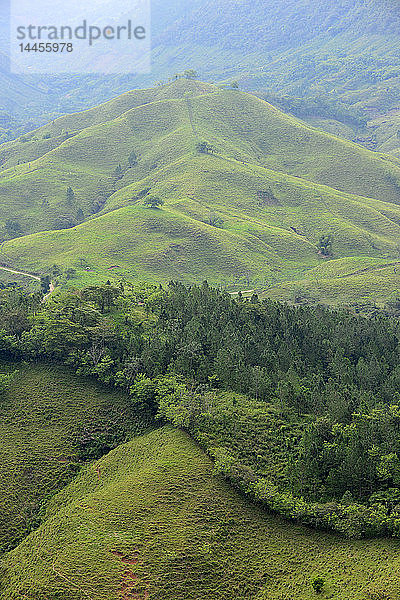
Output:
(316, 392)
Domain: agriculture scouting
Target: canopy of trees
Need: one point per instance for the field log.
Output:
(300, 407)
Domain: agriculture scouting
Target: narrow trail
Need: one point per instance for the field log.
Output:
(97, 470)
(20, 273)
(191, 115)
(52, 286)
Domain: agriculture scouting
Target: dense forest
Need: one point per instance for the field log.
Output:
(299, 407)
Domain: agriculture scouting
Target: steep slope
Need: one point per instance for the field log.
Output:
(162, 126)
(150, 520)
(44, 415)
(250, 213)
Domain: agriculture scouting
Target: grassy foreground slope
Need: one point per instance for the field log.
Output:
(149, 520)
(42, 417)
(274, 184)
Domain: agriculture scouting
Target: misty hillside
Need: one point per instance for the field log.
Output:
(347, 52)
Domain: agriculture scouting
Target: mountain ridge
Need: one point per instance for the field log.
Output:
(345, 52)
(274, 184)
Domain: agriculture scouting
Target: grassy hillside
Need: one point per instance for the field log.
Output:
(150, 520)
(342, 53)
(341, 56)
(43, 416)
(250, 214)
(344, 282)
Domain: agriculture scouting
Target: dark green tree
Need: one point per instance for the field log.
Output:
(103, 296)
(70, 196)
(5, 380)
(118, 172)
(215, 221)
(13, 228)
(318, 584)
(153, 202)
(56, 270)
(45, 283)
(325, 244)
(82, 262)
(205, 148)
(70, 273)
(190, 74)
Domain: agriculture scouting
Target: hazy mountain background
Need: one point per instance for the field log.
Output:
(334, 63)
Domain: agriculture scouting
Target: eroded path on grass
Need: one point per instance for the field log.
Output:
(129, 584)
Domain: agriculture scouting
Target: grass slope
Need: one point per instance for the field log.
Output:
(343, 282)
(42, 415)
(149, 520)
(277, 183)
(345, 52)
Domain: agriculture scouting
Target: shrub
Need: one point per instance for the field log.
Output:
(318, 584)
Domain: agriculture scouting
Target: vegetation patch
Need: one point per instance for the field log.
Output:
(313, 433)
(51, 423)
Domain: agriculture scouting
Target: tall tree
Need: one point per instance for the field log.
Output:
(70, 196)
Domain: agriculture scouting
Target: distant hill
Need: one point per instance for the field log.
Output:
(248, 215)
(35, 98)
(346, 52)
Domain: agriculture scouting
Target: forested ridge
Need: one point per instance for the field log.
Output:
(299, 407)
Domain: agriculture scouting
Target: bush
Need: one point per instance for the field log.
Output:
(205, 148)
(318, 584)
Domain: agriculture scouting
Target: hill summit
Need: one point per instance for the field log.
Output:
(249, 196)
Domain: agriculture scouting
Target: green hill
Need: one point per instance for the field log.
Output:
(149, 520)
(335, 63)
(249, 214)
(342, 53)
(44, 416)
